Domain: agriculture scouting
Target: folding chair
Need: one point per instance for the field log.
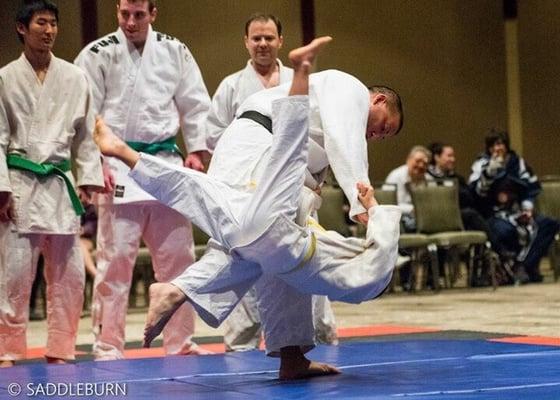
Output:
(548, 203)
(438, 215)
(386, 193)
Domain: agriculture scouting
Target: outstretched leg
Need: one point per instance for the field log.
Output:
(113, 146)
(293, 363)
(204, 201)
(284, 173)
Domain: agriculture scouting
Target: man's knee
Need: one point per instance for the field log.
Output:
(502, 229)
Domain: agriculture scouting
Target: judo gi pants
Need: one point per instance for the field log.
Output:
(65, 277)
(168, 236)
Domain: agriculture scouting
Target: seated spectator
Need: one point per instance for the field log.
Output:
(505, 190)
(413, 173)
(442, 167)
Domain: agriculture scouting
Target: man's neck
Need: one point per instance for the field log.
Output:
(139, 47)
(268, 74)
(40, 61)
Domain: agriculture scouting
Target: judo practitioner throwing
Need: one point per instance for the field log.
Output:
(260, 227)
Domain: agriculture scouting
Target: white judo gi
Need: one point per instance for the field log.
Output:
(47, 122)
(339, 108)
(242, 330)
(232, 91)
(144, 98)
(259, 233)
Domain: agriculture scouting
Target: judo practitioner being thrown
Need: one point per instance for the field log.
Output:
(260, 227)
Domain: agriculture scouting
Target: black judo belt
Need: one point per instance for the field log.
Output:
(258, 118)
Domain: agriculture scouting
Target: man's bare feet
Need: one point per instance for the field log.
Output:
(6, 363)
(109, 144)
(165, 299)
(294, 365)
(304, 56)
(55, 360)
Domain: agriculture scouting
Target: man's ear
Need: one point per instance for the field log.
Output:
(281, 41)
(379, 98)
(20, 28)
(153, 15)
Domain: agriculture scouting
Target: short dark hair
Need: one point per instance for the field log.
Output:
(436, 148)
(496, 136)
(395, 102)
(264, 18)
(151, 3)
(28, 8)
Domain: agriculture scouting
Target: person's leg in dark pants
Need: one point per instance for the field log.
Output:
(504, 236)
(547, 229)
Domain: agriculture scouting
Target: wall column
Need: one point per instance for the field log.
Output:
(88, 14)
(515, 120)
(307, 20)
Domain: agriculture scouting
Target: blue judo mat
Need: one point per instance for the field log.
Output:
(417, 369)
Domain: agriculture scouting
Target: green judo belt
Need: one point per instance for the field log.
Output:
(153, 148)
(47, 169)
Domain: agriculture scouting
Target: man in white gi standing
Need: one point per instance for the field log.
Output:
(46, 126)
(263, 39)
(145, 85)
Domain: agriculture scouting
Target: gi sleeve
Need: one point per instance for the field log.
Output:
(531, 184)
(4, 142)
(221, 113)
(193, 102)
(344, 107)
(86, 158)
(93, 64)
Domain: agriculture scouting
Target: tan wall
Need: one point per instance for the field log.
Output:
(539, 51)
(446, 58)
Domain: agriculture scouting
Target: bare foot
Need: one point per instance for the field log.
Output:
(197, 351)
(165, 299)
(55, 360)
(294, 365)
(7, 363)
(109, 144)
(304, 56)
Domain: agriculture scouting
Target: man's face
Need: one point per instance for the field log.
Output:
(417, 165)
(446, 160)
(499, 149)
(134, 19)
(263, 42)
(381, 122)
(41, 33)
